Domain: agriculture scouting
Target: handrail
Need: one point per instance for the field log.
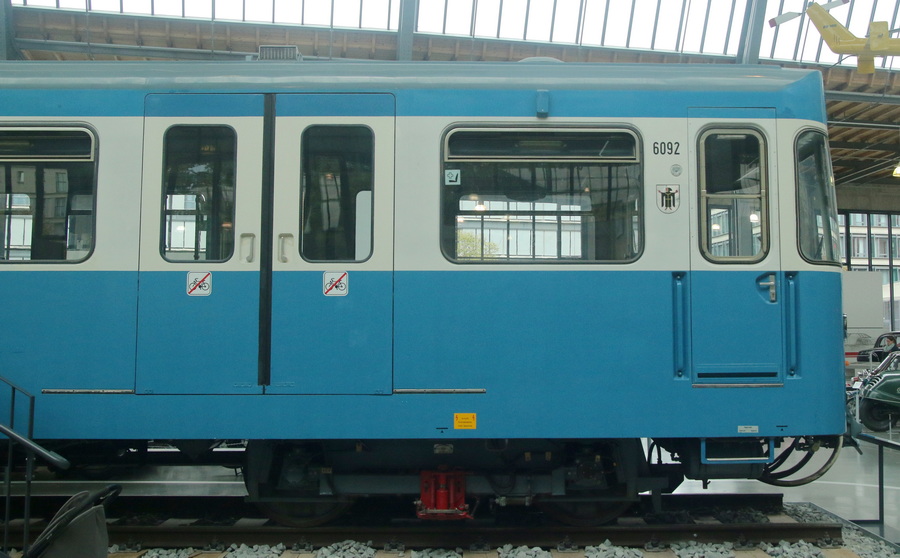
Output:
(50, 457)
(31, 450)
(881, 443)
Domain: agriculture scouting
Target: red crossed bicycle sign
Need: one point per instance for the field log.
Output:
(199, 283)
(335, 283)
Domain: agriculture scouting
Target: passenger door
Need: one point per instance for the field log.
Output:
(332, 264)
(199, 270)
(738, 290)
(263, 268)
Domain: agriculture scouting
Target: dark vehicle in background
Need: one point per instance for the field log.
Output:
(856, 342)
(876, 354)
(878, 397)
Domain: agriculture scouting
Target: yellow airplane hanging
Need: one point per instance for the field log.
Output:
(841, 41)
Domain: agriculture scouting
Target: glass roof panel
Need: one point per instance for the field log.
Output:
(711, 27)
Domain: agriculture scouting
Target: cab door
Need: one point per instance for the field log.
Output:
(738, 289)
(332, 252)
(199, 270)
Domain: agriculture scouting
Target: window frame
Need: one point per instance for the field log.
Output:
(448, 158)
(302, 187)
(164, 212)
(837, 226)
(91, 157)
(705, 237)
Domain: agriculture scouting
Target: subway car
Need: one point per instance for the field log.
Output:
(473, 285)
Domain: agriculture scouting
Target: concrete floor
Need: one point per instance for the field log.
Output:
(849, 490)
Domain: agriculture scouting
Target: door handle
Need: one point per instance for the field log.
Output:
(283, 239)
(682, 322)
(247, 239)
(769, 281)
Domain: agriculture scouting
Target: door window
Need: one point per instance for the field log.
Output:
(733, 192)
(336, 193)
(198, 193)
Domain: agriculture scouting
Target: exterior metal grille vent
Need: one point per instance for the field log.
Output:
(279, 52)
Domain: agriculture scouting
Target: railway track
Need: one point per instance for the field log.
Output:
(585, 553)
(179, 535)
(743, 521)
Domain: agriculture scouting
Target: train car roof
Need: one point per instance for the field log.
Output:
(573, 90)
(392, 75)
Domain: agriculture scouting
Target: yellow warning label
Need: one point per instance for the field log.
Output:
(464, 421)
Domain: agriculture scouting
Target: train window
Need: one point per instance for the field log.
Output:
(47, 194)
(528, 144)
(549, 196)
(336, 193)
(733, 195)
(198, 193)
(818, 229)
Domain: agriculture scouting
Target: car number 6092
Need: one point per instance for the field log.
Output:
(666, 148)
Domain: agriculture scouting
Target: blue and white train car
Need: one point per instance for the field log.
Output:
(449, 280)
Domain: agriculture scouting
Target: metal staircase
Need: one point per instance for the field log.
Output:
(18, 444)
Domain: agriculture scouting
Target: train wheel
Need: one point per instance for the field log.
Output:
(585, 513)
(303, 514)
(284, 479)
(875, 415)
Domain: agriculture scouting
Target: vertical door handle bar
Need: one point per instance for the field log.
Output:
(790, 315)
(680, 325)
(282, 241)
(771, 283)
(250, 238)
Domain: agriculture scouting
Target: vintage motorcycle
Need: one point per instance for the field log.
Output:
(877, 395)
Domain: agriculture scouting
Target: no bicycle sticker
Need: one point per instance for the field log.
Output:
(335, 283)
(199, 283)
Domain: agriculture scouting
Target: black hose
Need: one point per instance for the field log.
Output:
(769, 479)
(783, 474)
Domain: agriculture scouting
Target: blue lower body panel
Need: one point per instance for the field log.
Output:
(331, 344)
(198, 344)
(542, 354)
(68, 330)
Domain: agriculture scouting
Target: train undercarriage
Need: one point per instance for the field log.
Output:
(574, 482)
